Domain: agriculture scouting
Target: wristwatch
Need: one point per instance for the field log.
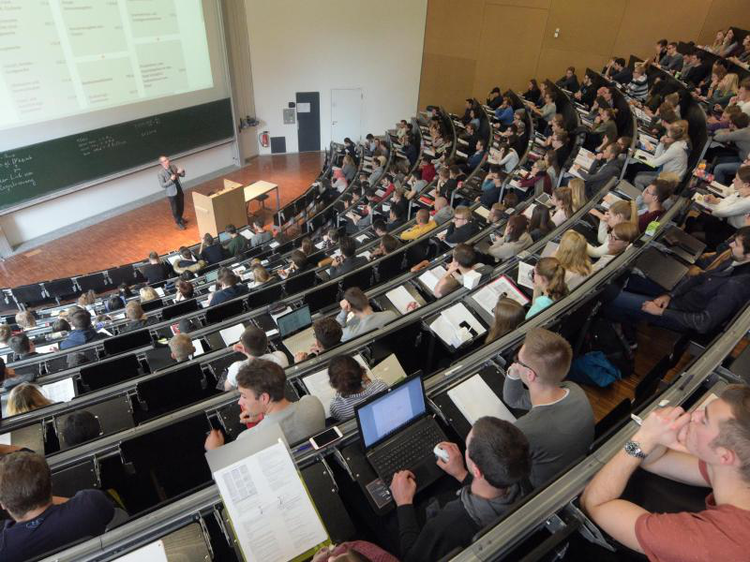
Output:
(633, 448)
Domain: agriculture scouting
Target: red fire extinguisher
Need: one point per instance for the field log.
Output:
(265, 139)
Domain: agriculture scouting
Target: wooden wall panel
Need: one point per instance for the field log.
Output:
(647, 21)
(452, 28)
(446, 81)
(543, 4)
(485, 43)
(585, 26)
(723, 14)
(509, 47)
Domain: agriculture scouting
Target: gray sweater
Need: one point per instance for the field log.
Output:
(740, 137)
(356, 327)
(558, 433)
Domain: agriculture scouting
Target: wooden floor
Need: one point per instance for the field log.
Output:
(131, 236)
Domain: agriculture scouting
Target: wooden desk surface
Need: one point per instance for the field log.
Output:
(258, 188)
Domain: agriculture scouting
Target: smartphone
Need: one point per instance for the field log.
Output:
(326, 437)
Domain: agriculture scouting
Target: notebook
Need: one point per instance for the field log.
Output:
(475, 399)
(232, 335)
(401, 299)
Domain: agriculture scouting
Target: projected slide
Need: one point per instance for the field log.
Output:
(65, 57)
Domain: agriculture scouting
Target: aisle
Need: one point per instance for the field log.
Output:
(131, 236)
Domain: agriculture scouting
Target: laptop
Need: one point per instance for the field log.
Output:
(293, 322)
(660, 268)
(682, 244)
(399, 434)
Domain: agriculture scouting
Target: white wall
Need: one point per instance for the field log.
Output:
(319, 45)
(96, 203)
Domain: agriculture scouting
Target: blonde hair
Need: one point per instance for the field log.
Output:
(26, 397)
(134, 310)
(25, 319)
(549, 354)
(577, 192)
(463, 213)
(678, 130)
(87, 298)
(572, 254)
(565, 196)
(5, 333)
(622, 208)
(730, 83)
(551, 270)
(260, 274)
(626, 231)
(148, 294)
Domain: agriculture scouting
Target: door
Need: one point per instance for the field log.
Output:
(346, 114)
(308, 121)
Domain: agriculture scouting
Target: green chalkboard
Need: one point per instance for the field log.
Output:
(33, 171)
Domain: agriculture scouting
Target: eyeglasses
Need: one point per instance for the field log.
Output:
(518, 361)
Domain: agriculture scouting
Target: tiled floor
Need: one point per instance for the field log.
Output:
(132, 235)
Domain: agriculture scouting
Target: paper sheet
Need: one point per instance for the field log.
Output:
(528, 211)
(159, 291)
(482, 212)
(488, 295)
(153, 552)
(431, 277)
(60, 391)
(448, 327)
(610, 199)
(401, 299)
(46, 348)
(525, 275)
(232, 335)
(5, 439)
(272, 514)
(247, 233)
(475, 399)
(198, 345)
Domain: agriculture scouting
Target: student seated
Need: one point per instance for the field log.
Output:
(185, 291)
(671, 155)
(253, 345)
(423, 226)
(5, 334)
(654, 197)
(562, 199)
(572, 255)
(230, 288)
(388, 244)
(328, 333)
(709, 448)
(560, 421)
(261, 385)
(25, 320)
(211, 251)
(515, 239)
(10, 379)
(352, 385)
(22, 347)
(509, 314)
(602, 170)
(156, 270)
(619, 212)
(549, 285)
(464, 261)
(298, 265)
(181, 347)
(348, 260)
(462, 227)
(40, 522)
(569, 81)
(541, 223)
(700, 303)
(137, 318)
(26, 397)
(492, 480)
(443, 211)
(79, 427)
(364, 319)
(237, 243)
(83, 332)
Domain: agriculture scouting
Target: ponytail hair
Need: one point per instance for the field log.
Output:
(554, 273)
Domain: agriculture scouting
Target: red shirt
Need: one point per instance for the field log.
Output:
(428, 173)
(645, 219)
(720, 533)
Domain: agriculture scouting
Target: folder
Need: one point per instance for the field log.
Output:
(488, 295)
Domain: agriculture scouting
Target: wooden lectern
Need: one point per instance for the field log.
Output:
(216, 210)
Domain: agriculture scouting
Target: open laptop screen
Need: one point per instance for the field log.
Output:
(380, 417)
(294, 321)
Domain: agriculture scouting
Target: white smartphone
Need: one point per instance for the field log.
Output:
(326, 437)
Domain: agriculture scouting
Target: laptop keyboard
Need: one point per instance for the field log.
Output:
(408, 451)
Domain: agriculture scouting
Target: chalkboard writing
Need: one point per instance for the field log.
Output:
(34, 171)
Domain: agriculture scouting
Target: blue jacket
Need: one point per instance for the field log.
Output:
(79, 337)
(229, 293)
(475, 159)
(504, 115)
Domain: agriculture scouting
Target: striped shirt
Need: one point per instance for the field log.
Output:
(638, 88)
(342, 408)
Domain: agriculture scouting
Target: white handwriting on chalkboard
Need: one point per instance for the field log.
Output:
(91, 145)
(13, 173)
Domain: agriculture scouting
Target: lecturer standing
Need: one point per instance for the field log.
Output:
(169, 178)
